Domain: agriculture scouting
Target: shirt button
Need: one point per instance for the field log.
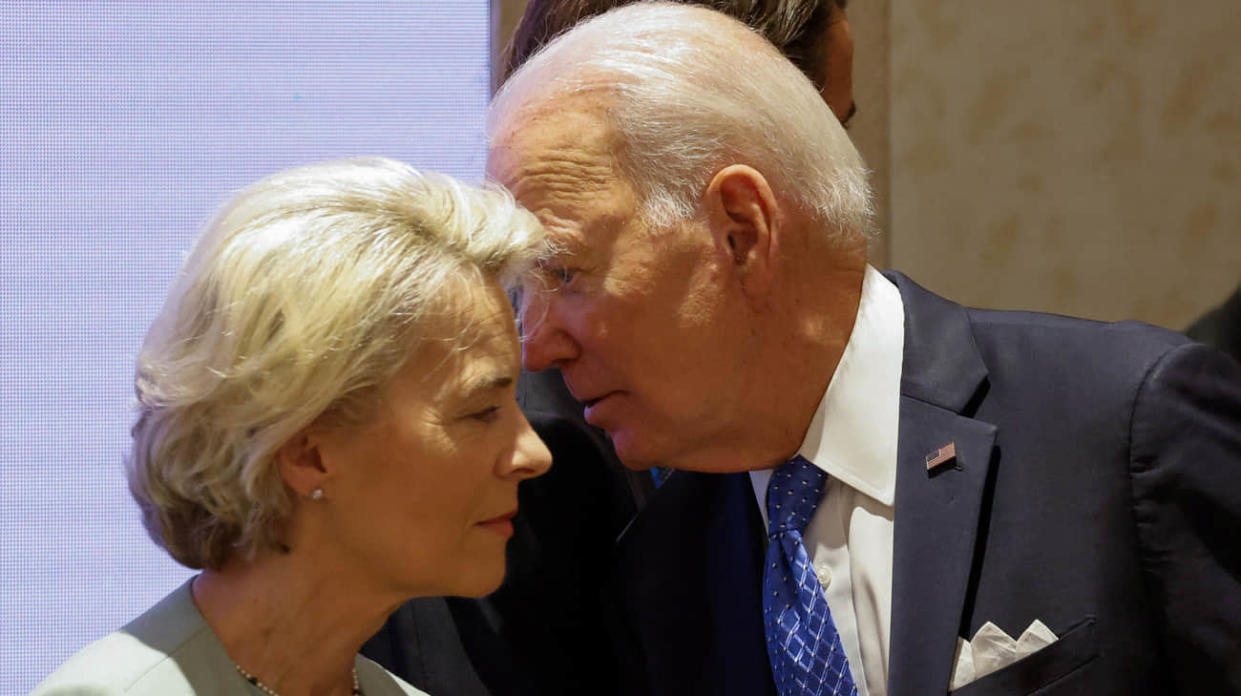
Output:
(825, 574)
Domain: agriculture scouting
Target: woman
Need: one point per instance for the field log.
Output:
(327, 427)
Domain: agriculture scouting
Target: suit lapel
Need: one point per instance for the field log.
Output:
(937, 516)
(937, 512)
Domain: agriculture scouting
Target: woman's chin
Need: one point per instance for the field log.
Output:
(480, 582)
(477, 572)
(478, 576)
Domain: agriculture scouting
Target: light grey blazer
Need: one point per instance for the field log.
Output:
(171, 651)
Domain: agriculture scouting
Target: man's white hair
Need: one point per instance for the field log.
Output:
(689, 91)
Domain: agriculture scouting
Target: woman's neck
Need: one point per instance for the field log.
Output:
(294, 622)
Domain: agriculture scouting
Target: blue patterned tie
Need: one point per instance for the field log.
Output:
(802, 642)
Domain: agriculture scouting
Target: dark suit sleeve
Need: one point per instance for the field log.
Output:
(1186, 472)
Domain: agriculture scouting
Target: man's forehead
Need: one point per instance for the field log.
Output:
(563, 141)
(562, 170)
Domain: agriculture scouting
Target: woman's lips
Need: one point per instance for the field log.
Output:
(501, 524)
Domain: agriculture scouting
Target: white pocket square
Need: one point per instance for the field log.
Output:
(992, 648)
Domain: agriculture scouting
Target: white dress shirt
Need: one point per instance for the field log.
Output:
(853, 438)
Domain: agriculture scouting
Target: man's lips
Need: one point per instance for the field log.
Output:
(588, 395)
(589, 401)
(590, 407)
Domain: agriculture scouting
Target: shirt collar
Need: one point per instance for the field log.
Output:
(854, 430)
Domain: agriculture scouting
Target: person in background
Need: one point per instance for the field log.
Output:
(326, 428)
(544, 632)
(877, 491)
(1221, 327)
(813, 34)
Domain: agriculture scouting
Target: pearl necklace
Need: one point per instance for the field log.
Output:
(254, 681)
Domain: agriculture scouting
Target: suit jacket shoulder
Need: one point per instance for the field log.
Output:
(1185, 461)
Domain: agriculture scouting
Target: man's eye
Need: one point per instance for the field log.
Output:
(564, 276)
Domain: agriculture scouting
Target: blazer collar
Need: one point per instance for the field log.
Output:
(942, 362)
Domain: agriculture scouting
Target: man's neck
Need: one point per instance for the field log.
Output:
(825, 306)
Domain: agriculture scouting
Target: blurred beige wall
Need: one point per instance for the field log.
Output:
(870, 127)
(504, 16)
(1074, 157)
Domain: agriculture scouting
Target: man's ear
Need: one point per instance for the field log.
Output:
(301, 464)
(743, 217)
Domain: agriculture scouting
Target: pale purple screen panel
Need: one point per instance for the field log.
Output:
(122, 126)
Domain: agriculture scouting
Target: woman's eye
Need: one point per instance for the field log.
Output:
(487, 415)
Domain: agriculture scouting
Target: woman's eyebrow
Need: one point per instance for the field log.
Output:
(486, 383)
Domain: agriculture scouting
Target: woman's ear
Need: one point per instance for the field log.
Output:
(301, 465)
(744, 221)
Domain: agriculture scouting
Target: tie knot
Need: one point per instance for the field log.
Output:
(792, 495)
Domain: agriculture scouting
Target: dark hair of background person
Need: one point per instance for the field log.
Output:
(1221, 327)
(796, 27)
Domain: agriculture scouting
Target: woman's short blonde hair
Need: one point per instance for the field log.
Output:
(301, 299)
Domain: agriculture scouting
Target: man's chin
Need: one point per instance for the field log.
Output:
(640, 449)
(631, 453)
(638, 454)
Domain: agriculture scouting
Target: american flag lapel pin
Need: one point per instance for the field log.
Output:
(941, 456)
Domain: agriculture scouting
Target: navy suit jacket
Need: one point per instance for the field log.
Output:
(1097, 488)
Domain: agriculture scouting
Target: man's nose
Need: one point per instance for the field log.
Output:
(545, 341)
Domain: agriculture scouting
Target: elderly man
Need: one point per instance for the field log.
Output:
(540, 634)
(882, 492)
